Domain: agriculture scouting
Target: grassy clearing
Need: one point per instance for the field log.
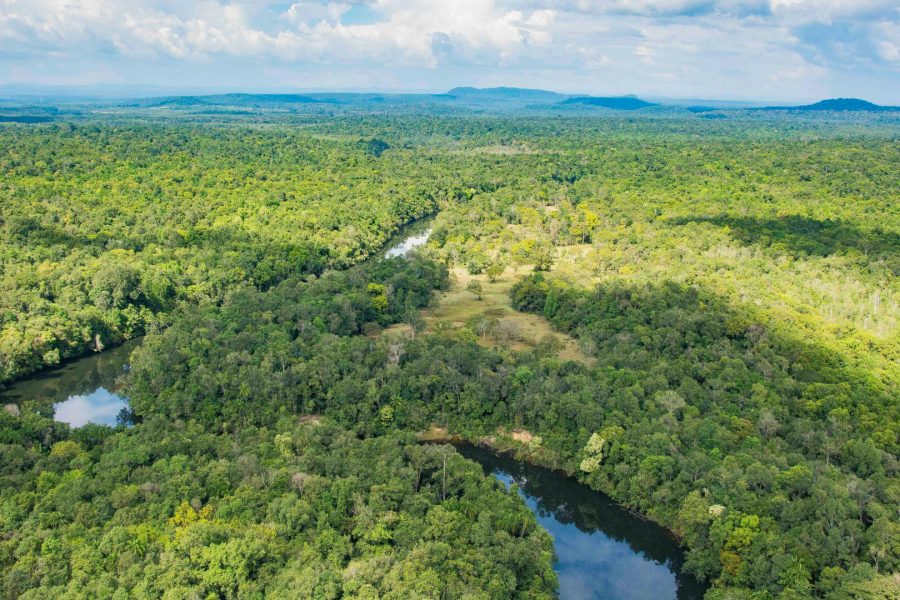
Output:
(512, 329)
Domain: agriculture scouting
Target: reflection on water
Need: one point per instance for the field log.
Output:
(87, 390)
(603, 550)
(100, 406)
(407, 245)
(82, 391)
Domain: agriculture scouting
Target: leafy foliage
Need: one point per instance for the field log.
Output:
(734, 281)
(171, 510)
(106, 230)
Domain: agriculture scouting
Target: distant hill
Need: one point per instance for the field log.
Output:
(506, 93)
(472, 98)
(501, 98)
(244, 100)
(614, 103)
(837, 104)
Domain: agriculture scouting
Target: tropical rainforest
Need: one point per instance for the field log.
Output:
(730, 284)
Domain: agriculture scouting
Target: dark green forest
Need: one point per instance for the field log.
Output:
(732, 283)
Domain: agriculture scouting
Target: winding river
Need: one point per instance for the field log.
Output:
(87, 390)
(603, 551)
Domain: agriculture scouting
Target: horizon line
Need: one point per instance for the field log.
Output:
(103, 91)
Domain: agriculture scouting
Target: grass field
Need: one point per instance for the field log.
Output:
(511, 328)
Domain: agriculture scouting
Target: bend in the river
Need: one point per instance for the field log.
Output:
(603, 550)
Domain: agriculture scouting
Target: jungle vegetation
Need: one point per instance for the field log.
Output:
(734, 282)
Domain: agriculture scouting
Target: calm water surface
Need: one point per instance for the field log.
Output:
(603, 551)
(408, 244)
(81, 391)
(87, 390)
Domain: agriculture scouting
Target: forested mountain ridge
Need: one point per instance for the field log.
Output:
(838, 104)
(506, 93)
(614, 103)
(251, 100)
(735, 284)
(468, 101)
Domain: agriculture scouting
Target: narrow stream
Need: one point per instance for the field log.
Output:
(603, 551)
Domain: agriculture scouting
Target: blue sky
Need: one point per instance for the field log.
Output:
(790, 50)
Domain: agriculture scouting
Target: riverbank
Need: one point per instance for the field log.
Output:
(604, 550)
(524, 446)
(84, 374)
(265, 266)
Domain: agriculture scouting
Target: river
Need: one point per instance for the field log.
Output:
(85, 390)
(603, 551)
(414, 237)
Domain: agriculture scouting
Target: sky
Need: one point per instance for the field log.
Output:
(786, 50)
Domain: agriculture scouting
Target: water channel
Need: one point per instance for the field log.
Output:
(603, 551)
(85, 390)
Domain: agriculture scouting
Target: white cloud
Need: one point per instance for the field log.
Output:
(314, 12)
(717, 45)
(887, 37)
(828, 10)
(310, 30)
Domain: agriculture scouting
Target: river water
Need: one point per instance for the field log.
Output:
(410, 242)
(86, 390)
(603, 551)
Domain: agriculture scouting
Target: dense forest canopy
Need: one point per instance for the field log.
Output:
(733, 282)
(107, 229)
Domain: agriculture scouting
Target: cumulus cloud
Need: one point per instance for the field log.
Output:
(308, 30)
(314, 12)
(717, 44)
